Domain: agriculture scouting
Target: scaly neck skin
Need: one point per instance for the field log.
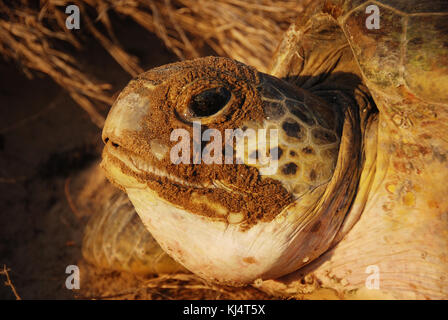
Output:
(403, 230)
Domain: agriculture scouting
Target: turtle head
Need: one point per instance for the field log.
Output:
(189, 132)
(228, 168)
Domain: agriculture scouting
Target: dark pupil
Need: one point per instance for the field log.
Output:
(209, 102)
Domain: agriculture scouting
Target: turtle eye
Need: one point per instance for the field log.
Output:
(209, 101)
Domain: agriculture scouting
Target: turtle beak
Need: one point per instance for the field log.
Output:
(124, 117)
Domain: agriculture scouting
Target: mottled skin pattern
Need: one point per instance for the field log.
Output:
(308, 143)
(396, 217)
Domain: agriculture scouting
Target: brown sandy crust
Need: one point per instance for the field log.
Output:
(257, 198)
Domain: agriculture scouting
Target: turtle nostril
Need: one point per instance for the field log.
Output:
(114, 144)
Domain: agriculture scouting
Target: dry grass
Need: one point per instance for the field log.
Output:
(102, 285)
(246, 30)
(8, 282)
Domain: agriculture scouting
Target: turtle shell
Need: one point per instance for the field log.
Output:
(409, 50)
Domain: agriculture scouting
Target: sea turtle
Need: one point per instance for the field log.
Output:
(357, 207)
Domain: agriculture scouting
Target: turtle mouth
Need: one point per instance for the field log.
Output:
(129, 170)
